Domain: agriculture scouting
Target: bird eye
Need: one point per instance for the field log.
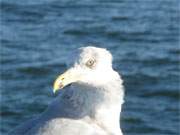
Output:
(90, 63)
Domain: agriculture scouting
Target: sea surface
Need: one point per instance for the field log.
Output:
(143, 36)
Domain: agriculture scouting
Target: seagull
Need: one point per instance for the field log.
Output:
(89, 97)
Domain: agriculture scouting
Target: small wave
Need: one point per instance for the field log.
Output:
(120, 18)
(170, 94)
(76, 32)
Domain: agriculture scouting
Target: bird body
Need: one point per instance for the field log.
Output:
(90, 106)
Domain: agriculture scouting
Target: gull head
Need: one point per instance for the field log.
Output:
(87, 65)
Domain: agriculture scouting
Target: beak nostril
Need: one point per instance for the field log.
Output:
(62, 78)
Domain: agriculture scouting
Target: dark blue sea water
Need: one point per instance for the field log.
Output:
(143, 36)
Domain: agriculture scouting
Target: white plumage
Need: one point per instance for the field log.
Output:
(90, 106)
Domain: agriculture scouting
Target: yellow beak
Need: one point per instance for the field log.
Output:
(58, 84)
(64, 79)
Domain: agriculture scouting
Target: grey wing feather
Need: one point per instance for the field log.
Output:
(23, 128)
(59, 119)
(66, 127)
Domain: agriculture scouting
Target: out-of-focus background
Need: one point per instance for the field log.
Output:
(143, 36)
